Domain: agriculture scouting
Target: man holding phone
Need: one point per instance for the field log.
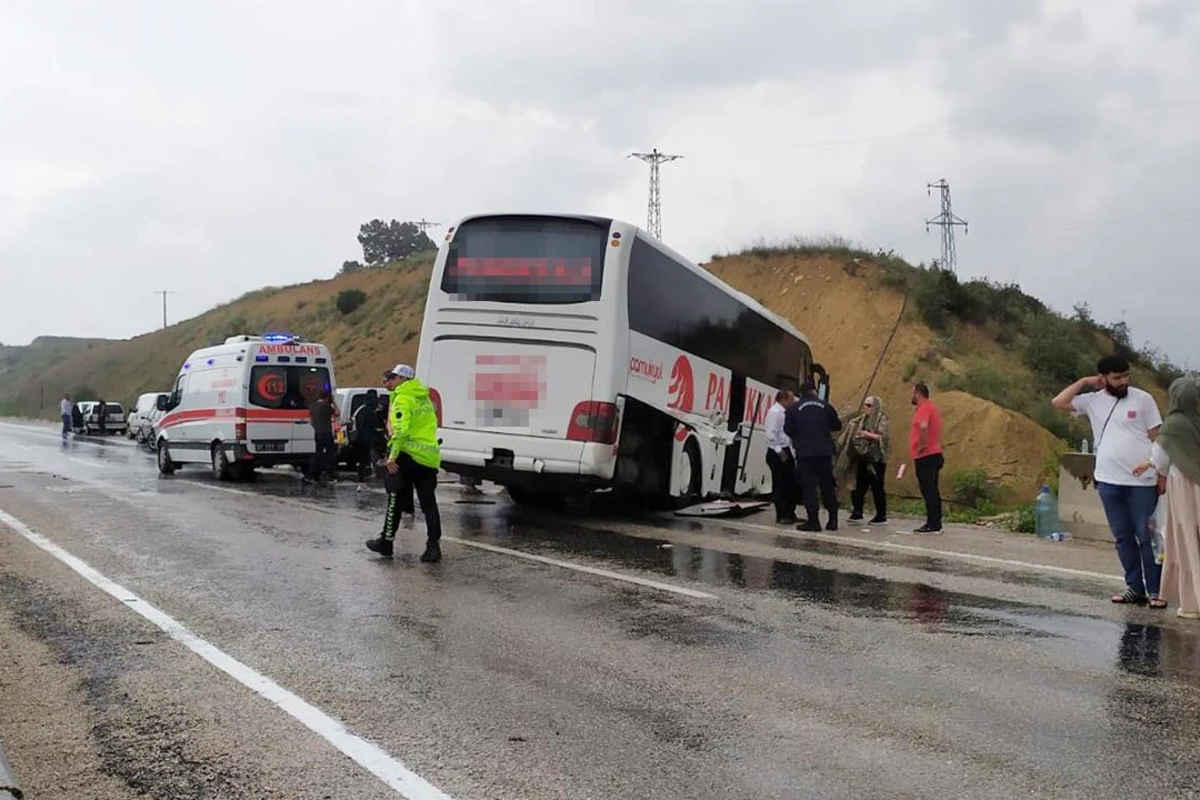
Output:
(1125, 421)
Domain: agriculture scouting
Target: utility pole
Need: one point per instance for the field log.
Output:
(164, 294)
(946, 220)
(424, 226)
(654, 207)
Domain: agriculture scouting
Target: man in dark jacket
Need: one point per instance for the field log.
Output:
(810, 424)
(366, 435)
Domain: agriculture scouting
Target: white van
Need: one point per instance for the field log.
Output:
(244, 404)
(144, 415)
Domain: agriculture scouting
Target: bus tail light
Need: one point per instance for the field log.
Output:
(436, 399)
(593, 421)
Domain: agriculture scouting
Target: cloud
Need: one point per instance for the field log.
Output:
(213, 149)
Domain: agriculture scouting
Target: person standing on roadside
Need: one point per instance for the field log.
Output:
(367, 438)
(925, 449)
(1125, 422)
(65, 409)
(868, 452)
(321, 414)
(102, 417)
(780, 460)
(1175, 456)
(810, 424)
(413, 459)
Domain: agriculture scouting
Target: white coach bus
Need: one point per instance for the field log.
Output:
(571, 353)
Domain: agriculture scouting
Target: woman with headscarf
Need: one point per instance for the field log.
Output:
(1176, 454)
(868, 452)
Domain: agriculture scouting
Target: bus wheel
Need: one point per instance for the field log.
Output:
(220, 463)
(691, 475)
(526, 497)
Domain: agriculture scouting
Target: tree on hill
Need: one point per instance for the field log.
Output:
(391, 241)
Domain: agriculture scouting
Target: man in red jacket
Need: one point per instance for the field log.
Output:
(925, 448)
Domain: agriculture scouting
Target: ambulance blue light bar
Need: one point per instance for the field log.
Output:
(280, 337)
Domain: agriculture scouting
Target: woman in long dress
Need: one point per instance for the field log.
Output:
(1176, 454)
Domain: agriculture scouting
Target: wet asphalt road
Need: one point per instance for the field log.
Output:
(606, 655)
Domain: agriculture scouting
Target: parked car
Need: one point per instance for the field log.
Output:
(144, 416)
(349, 400)
(116, 421)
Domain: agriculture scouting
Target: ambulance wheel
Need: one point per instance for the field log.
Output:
(220, 463)
(165, 465)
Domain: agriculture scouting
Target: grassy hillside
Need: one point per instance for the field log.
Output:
(381, 332)
(993, 355)
(24, 364)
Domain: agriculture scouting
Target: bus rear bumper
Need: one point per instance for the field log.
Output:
(505, 458)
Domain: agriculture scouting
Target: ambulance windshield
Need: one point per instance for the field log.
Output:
(281, 386)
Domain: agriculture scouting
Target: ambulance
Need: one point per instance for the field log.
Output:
(244, 404)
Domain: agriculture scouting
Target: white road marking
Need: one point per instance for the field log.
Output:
(369, 756)
(928, 551)
(603, 573)
(88, 464)
(616, 576)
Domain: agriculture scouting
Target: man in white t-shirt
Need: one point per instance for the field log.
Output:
(1125, 421)
(64, 408)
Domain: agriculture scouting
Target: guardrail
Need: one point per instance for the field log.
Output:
(9, 788)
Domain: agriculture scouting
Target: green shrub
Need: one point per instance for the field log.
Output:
(972, 488)
(350, 299)
(1024, 520)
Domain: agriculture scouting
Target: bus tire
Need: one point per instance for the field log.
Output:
(165, 465)
(220, 463)
(695, 475)
(527, 497)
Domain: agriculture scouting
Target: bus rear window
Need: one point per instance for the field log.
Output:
(521, 259)
(281, 387)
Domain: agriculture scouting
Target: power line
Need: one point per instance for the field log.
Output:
(654, 207)
(947, 220)
(164, 294)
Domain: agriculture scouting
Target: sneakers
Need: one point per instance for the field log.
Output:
(926, 530)
(432, 554)
(381, 546)
(854, 518)
(878, 521)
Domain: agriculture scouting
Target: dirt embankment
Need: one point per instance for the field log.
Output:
(848, 316)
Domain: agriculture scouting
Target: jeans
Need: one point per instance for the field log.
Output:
(325, 458)
(66, 424)
(928, 469)
(870, 477)
(783, 484)
(1129, 509)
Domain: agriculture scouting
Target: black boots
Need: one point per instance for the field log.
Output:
(384, 547)
(380, 545)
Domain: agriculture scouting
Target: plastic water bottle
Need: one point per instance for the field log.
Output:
(1046, 513)
(1084, 447)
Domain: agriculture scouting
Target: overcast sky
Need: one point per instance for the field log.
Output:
(213, 147)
